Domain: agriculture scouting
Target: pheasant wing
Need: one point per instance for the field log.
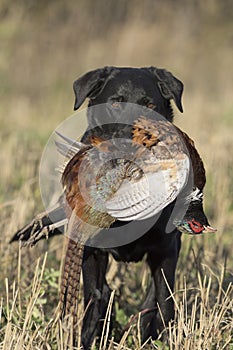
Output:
(142, 198)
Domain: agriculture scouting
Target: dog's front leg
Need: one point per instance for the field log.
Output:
(96, 294)
(163, 268)
(148, 315)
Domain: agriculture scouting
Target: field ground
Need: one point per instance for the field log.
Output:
(44, 47)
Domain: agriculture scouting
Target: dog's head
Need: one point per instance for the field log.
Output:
(151, 87)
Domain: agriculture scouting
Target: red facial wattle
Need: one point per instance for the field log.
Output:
(195, 226)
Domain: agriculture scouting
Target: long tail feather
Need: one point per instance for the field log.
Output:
(70, 282)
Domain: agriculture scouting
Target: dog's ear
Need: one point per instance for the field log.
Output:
(170, 87)
(91, 84)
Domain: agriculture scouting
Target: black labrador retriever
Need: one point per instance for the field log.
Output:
(153, 88)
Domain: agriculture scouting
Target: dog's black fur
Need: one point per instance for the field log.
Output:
(153, 88)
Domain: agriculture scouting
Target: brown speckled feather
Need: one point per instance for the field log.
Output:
(197, 163)
(77, 208)
(165, 141)
(149, 133)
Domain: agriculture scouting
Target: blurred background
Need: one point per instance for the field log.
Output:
(46, 45)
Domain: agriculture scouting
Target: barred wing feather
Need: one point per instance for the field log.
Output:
(141, 199)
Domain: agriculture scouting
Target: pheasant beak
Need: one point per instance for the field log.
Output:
(209, 229)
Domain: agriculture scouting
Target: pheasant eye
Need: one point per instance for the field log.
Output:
(195, 226)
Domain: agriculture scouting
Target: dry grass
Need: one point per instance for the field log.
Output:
(203, 316)
(44, 48)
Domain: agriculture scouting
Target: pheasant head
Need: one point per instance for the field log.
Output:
(194, 221)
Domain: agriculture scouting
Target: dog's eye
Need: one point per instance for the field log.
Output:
(115, 104)
(117, 101)
(147, 103)
(120, 99)
(151, 105)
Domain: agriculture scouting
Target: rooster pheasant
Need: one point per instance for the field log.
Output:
(101, 188)
(122, 174)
